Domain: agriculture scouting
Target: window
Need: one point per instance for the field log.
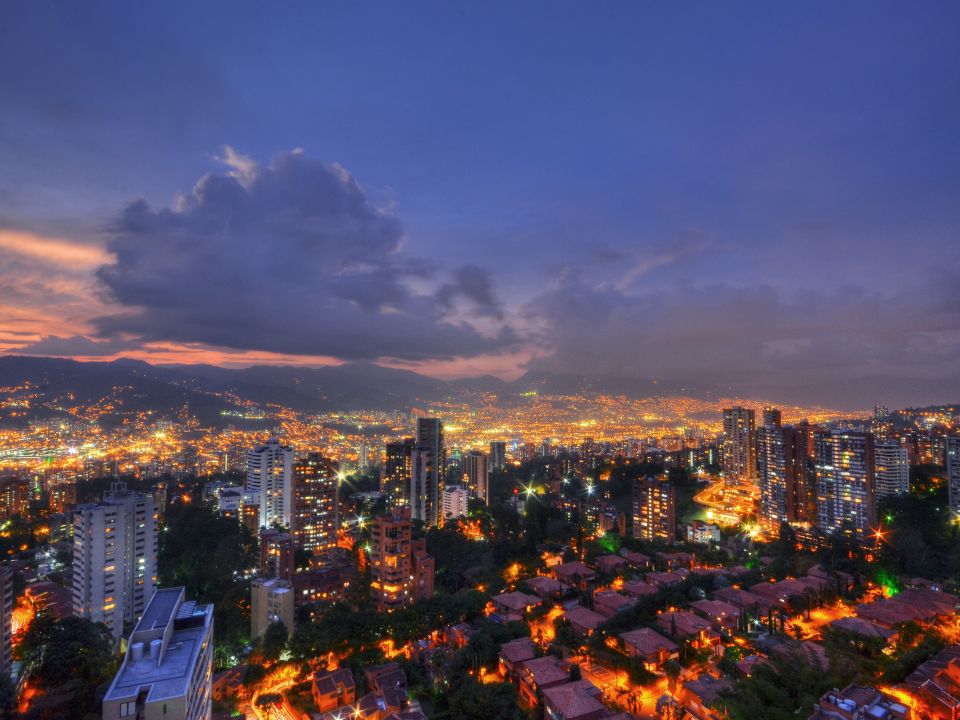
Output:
(128, 709)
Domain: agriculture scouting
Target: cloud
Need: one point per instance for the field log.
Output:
(76, 346)
(289, 257)
(847, 347)
(53, 251)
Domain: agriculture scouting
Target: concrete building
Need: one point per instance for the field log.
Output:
(14, 498)
(401, 570)
(316, 495)
(738, 452)
(654, 510)
(892, 467)
(476, 475)
(953, 474)
(271, 600)
(455, 499)
(277, 555)
(781, 476)
(397, 471)
(270, 478)
(167, 672)
(6, 618)
(429, 468)
(115, 557)
(498, 454)
(846, 498)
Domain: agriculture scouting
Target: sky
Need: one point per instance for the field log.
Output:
(751, 198)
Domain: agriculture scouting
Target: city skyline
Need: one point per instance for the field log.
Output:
(616, 195)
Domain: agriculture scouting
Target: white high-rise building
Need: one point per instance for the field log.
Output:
(115, 557)
(270, 478)
(455, 499)
(892, 468)
(168, 669)
(953, 475)
(476, 475)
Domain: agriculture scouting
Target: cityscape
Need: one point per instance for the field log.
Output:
(459, 362)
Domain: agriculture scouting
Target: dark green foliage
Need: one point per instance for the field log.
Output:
(274, 641)
(68, 658)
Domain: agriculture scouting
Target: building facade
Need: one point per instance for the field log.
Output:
(498, 454)
(654, 510)
(115, 557)
(397, 472)
(455, 500)
(846, 493)
(316, 496)
(429, 469)
(892, 464)
(6, 617)
(738, 455)
(401, 569)
(476, 475)
(167, 671)
(270, 479)
(952, 456)
(271, 600)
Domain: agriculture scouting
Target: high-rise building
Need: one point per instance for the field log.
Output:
(270, 477)
(401, 570)
(6, 618)
(772, 418)
(395, 480)
(14, 497)
(271, 600)
(428, 471)
(782, 477)
(654, 510)
(498, 454)
(363, 455)
(892, 468)
(846, 482)
(952, 455)
(62, 498)
(739, 453)
(167, 671)
(115, 557)
(316, 496)
(455, 501)
(476, 475)
(277, 555)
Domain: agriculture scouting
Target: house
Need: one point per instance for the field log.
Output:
(664, 579)
(674, 560)
(577, 700)
(513, 605)
(864, 628)
(638, 561)
(574, 574)
(546, 587)
(700, 697)
(746, 666)
(857, 701)
(514, 653)
(610, 603)
(744, 600)
(538, 674)
(724, 616)
(638, 588)
(611, 564)
(458, 635)
(935, 685)
(650, 646)
(229, 683)
(332, 689)
(685, 625)
(921, 606)
(582, 620)
(389, 676)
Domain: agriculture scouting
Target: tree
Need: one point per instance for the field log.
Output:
(274, 641)
(471, 700)
(672, 670)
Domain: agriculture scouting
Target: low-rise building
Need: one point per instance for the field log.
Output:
(857, 702)
(611, 564)
(724, 616)
(514, 653)
(578, 700)
(332, 689)
(538, 674)
(701, 697)
(582, 620)
(651, 647)
(514, 605)
(546, 587)
(610, 603)
(271, 601)
(575, 575)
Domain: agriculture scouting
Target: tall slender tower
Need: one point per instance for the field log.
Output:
(429, 468)
(892, 468)
(846, 480)
(270, 478)
(397, 470)
(654, 510)
(476, 475)
(953, 475)
(316, 494)
(115, 557)
(498, 454)
(6, 618)
(739, 452)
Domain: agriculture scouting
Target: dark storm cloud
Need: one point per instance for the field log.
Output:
(290, 257)
(836, 348)
(475, 285)
(77, 345)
